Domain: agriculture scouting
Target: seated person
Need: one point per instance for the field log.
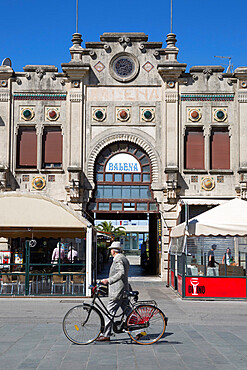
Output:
(227, 258)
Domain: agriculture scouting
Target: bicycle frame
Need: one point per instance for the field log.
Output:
(103, 309)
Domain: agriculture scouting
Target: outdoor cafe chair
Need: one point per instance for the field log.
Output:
(57, 281)
(6, 282)
(21, 283)
(78, 281)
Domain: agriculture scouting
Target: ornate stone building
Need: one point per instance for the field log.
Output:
(125, 132)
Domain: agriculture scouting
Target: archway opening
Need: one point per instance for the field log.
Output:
(123, 196)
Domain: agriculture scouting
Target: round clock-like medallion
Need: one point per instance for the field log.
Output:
(124, 67)
(207, 183)
(38, 183)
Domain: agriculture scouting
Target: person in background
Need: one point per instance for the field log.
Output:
(211, 259)
(55, 253)
(227, 258)
(72, 255)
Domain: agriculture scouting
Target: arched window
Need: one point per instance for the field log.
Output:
(123, 180)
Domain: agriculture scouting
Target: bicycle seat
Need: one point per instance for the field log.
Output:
(133, 293)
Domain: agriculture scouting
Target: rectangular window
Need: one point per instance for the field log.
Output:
(116, 206)
(103, 206)
(220, 149)
(52, 147)
(141, 206)
(194, 149)
(27, 147)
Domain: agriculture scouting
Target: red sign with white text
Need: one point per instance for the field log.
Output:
(199, 287)
(172, 279)
(180, 284)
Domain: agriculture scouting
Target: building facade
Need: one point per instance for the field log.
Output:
(125, 132)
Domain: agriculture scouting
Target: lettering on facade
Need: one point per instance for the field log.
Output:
(123, 163)
(124, 94)
(122, 167)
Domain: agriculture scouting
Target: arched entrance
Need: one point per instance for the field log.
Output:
(123, 194)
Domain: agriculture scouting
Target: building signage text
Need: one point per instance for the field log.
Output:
(123, 163)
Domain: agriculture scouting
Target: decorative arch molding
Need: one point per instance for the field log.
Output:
(123, 137)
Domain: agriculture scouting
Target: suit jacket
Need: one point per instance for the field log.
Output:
(118, 277)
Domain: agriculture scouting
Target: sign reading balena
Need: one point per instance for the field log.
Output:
(123, 163)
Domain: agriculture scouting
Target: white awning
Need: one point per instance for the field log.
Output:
(229, 218)
(202, 201)
(35, 215)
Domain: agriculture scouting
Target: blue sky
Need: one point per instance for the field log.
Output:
(39, 32)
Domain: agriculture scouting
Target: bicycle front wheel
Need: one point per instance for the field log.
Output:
(83, 324)
(146, 324)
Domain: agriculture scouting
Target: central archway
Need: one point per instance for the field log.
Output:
(123, 195)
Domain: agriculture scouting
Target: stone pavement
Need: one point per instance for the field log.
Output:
(200, 335)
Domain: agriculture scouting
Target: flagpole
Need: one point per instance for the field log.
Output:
(76, 16)
(171, 16)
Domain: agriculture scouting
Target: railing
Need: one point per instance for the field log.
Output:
(43, 279)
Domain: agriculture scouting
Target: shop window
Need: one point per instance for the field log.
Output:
(220, 149)
(194, 149)
(52, 148)
(27, 148)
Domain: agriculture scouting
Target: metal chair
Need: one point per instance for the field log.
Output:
(6, 282)
(78, 281)
(57, 280)
(21, 282)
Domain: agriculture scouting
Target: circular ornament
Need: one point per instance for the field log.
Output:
(27, 114)
(220, 115)
(148, 115)
(171, 84)
(4, 83)
(76, 83)
(52, 114)
(99, 115)
(38, 183)
(207, 183)
(243, 84)
(124, 67)
(123, 115)
(194, 115)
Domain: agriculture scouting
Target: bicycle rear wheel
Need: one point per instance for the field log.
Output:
(83, 324)
(146, 324)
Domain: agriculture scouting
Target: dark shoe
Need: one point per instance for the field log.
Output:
(103, 339)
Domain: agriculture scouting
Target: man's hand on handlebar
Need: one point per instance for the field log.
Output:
(104, 281)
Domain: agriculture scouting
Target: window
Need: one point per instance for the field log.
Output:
(194, 149)
(52, 147)
(123, 178)
(27, 148)
(220, 149)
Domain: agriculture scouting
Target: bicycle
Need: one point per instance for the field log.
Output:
(145, 323)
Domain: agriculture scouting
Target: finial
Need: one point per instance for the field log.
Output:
(171, 49)
(76, 50)
(77, 40)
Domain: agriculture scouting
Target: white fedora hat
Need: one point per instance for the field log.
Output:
(115, 245)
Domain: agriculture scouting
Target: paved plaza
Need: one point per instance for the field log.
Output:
(200, 335)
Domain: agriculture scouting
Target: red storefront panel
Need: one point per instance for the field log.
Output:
(172, 279)
(180, 285)
(205, 287)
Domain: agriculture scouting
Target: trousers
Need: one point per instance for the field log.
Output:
(112, 307)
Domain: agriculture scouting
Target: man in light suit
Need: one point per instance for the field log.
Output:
(118, 283)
